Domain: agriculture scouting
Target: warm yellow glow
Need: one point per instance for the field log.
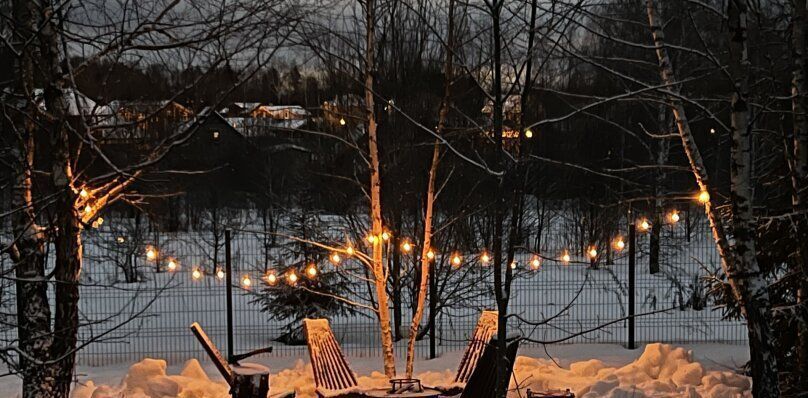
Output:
(385, 235)
(593, 252)
(100, 220)
(485, 258)
(565, 258)
(121, 239)
(311, 271)
(371, 238)
(88, 209)
(246, 281)
(84, 194)
(151, 253)
(406, 247)
(335, 258)
(271, 278)
(528, 133)
(457, 260)
(619, 243)
(341, 121)
(292, 277)
(220, 273)
(704, 197)
(645, 225)
(430, 254)
(673, 216)
(350, 250)
(535, 264)
(513, 264)
(196, 274)
(172, 264)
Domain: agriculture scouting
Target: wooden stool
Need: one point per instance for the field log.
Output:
(250, 380)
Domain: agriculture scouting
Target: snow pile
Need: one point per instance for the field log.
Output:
(661, 371)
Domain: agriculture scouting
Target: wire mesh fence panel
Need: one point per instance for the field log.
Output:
(136, 303)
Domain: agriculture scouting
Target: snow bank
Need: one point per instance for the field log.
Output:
(661, 371)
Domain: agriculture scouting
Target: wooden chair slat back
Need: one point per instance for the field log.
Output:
(485, 329)
(330, 368)
(483, 380)
(213, 353)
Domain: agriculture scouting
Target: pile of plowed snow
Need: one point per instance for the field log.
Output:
(661, 371)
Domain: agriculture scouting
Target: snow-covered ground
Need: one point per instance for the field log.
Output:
(589, 370)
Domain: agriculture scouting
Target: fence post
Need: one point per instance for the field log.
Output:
(229, 291)
(632, 265)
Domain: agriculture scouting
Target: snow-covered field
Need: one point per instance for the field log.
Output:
(589, 370)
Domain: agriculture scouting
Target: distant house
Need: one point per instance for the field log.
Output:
(240, 109)
(344, 109)
(146, 121)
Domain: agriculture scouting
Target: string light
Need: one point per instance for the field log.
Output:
(619, 243)
(311, 271)
(712, 131)
(335, 258)
(271, 278)
(593, 252)
(220, 273)
(673, 216)
(292, 277)
(406, 247)
(704, 197)
(341, 121)
(151, 253)
(385, 235)
(535, 264)
(172, 264)
(350, 250)
(246, 281)
(84, 194)
(121, 239)
(88, 209)
(485, 258)
(371, 238)
(565, 257)
(196, 274)
(528, 133)
(513, 264)
(457, 260)
(644, 225)
(430, 254)
(100, 220)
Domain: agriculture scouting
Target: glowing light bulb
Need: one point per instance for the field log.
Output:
(84, 194)
(430, 254)
(673, 216)
(712, 131)
(220, 273)
(593, 252)
(406, 247)
(246, 281)
(88, 209)
(619, 244)
(100, 220)
(350, 250)
(292, 278)
(271, 278)
(385, 235)
(121, 239)
(371, 238)
(151, 254)
(528, 133)
(645, 225)
(565, 258)
(172, 265)
(457, 260)
(513, 264)
(535, 264)
(341, 121)
(311, 271)
(704, 197)
(485, 258)
(335, 258)
(196, 274)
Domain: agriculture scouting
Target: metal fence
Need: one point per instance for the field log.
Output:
(129, 316)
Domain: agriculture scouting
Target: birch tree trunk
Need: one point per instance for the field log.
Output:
(799, 171)
(379, 271)
(423, 285)
(740, 265)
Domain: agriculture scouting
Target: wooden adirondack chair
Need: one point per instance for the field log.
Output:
(246, 380)
(482, 382)
(486, 328)
(332, 374)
